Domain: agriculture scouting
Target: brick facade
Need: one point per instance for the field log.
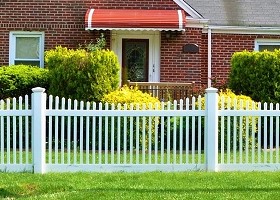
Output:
(63, 24)
(223, 47)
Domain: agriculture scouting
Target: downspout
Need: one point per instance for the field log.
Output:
(209, 57)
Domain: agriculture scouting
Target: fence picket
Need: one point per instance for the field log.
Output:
(241, 126)
(112, 136)
(131, 130)
(119, 136)
(181, 133)
(124, 135)
(50, 131)
(247, 134)
(106, 135)
(27, 131)
(234, 131)
(14, 133)
(156, 134)
(150, 135)
(228, 131)
(174, 132)
(137, 136)
(143, 135)
(62, 145)
(271, 133)
(193, 131)
(87, 134)
(75, 133)
(56, 131)
(222, 131)
(93, 135)
(187, 130)
(259, 133)
(81, 135)
(20, 131)
(253, 133)
(265, 135)
(8, 135)
(69, 106)
(100, 128)
(168, 134)
(162, 135)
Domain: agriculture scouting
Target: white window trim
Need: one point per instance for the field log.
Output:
(260, 42)
(12, 44)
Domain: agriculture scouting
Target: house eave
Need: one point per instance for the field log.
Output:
(243, 30)
(196, 23)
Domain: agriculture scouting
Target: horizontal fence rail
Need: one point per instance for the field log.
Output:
(58, 135)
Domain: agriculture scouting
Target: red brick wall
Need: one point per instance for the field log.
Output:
(61, 20)
(175, 64)
(223, 47)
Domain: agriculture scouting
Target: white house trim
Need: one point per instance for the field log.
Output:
(192, 12)
(154, 48)
(244, 30)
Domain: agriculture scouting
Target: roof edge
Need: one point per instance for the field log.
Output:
(244, 29)
(187, 8)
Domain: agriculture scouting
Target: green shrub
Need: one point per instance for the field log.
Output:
(132, 97)
(256, 74)
(82, 75)
(18, 80)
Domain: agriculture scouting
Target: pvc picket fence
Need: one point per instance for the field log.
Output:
(59, 135)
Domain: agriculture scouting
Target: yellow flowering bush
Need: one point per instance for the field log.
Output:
(134, 97)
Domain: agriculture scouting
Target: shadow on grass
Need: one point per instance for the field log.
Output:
(4, 194)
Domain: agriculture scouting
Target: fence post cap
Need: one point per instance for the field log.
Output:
(38, 89)
(211, 90)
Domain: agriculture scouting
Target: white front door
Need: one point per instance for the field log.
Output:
(138, 53)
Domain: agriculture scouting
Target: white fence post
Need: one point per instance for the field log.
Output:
(212, 129)
(39, 129)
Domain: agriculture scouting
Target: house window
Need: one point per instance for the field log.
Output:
(269, 45)
(27, 48)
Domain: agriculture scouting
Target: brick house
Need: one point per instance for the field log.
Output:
(155, 40)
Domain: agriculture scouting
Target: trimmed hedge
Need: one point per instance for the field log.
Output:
(256, 74)
(18, 80)
(82, 75)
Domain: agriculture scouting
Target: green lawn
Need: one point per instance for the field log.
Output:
(155, 185)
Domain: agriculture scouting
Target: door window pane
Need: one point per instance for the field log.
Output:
(135, 60)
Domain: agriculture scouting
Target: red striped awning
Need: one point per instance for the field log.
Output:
(118, 19)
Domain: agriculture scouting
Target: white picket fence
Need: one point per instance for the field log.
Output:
(58, 135)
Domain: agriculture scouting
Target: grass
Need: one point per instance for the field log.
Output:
(155, 185)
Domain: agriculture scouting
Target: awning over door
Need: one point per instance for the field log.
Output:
(118, 19)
